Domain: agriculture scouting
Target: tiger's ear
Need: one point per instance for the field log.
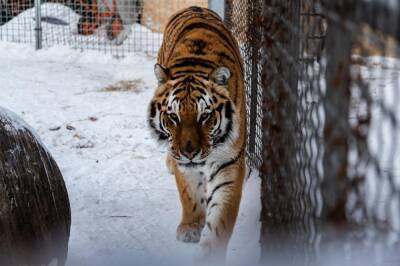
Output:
(221, 76)
(161, 74)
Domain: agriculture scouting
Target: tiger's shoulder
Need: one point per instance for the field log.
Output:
(197, 41)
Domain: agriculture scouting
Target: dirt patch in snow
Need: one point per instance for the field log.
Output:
(125, 85)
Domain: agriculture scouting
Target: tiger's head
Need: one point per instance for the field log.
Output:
(193, 113)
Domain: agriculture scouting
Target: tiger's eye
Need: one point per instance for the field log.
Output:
(173, 117)
(204, 116)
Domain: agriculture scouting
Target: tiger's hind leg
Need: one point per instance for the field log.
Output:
(191, 191)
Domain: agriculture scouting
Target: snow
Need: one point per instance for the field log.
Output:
(125, 206)
(15, 125)
(12, 122)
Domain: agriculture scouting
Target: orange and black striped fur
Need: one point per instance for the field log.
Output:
(198, 109)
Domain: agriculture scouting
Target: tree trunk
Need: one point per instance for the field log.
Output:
(35, 214)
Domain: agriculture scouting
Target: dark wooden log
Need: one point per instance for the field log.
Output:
(35, 215)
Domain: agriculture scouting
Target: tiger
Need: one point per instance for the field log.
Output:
(198, 111)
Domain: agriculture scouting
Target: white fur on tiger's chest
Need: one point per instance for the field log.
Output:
(196, 179)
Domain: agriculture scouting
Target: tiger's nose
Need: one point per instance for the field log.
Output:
(189, 151)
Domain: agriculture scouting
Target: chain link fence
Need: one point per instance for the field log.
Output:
(116, 26)
(323, 80)
(322, 83)
(242, 18)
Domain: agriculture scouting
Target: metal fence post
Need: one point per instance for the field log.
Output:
(38, 26)
(217, 6)
(253, 19)
(282, 216)
(337, 107)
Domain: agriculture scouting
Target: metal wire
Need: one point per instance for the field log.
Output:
(322, 82)
(322, 128)
(113, 26)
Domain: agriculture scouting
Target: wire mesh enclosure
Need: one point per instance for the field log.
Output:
(323, 81)
(117, 26)
(241, 17)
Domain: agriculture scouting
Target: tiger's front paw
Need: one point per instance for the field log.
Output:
(209, 253)
(189, 232)
(206, 247)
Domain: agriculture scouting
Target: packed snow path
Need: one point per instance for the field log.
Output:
(125, 206)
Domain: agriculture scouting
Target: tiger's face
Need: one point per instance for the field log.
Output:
(193, 114)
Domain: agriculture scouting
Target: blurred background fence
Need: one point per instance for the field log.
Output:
(323, 84)
(117, 26)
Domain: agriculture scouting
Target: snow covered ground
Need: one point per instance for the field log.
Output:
(125, 206)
